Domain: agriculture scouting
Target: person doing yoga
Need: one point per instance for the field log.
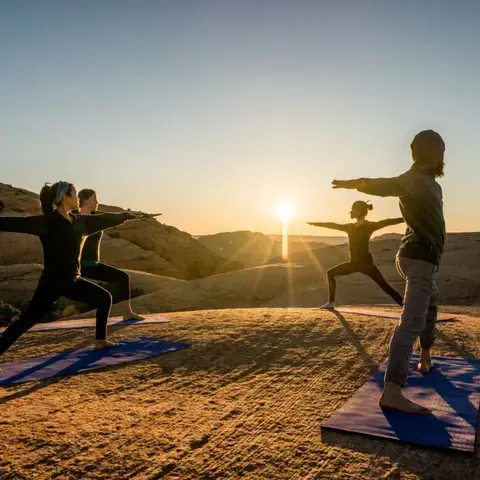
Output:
(62, 235)
(418, 258)
(361, 260)
(92, 267)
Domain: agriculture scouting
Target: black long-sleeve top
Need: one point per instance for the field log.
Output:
(91, 249)
(62, 241)
(359, 236)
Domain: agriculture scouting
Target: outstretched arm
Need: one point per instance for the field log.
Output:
(388, 222)
(330, 225)
(145, 215)
(32, 225)
(139, 215)
(381, 187)
(96, 223)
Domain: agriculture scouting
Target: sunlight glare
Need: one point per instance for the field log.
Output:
(285, 211)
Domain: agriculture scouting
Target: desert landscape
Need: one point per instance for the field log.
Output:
(247, 148)
(172, 271)
(262, 373)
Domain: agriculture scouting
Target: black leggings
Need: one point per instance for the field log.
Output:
(106, 273)
(368, 269)
(46, 294)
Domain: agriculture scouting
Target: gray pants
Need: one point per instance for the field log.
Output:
(419, 315)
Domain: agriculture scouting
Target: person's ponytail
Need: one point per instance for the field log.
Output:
(47, 196)
(362, 207)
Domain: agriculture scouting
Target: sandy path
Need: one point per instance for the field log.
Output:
(245, 401)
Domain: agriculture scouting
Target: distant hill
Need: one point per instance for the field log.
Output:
(388, 236)
(252, 248)
(146, 245)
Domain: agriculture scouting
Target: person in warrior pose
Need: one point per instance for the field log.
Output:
(62, 235)
(92, 267)
(361, 260)
(418, 258)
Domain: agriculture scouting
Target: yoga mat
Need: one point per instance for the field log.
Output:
(90, 322)
(382, 313)
(83, 360)
(451, 390)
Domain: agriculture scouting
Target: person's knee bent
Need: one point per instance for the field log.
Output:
(28, 318)
(120, 277)
(124, 277)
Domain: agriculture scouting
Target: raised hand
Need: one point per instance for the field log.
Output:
(131, 216)
(347, 184)
(149, 215)
(141, 215)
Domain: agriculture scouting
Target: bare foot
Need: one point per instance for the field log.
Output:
(133, 316)
(425, 366)
(99, 344)
(328, 306)
(393, 399)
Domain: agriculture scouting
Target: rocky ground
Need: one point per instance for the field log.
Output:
(246, 400)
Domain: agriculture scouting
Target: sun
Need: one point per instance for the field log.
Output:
(285, 211)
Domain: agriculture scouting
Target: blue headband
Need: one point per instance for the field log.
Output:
(62, 190)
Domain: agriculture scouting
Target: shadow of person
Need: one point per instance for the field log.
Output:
(355, 341)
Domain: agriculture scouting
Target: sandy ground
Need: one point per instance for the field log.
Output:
(245, 401)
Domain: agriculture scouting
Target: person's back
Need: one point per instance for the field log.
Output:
(358, 242)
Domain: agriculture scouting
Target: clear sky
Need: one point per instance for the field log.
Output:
(214, 111)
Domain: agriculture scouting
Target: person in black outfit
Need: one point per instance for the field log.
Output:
(62, 235)
(90, 261)
(361, 260)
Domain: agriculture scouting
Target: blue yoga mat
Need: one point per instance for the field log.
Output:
(84, 360)
(451, 390)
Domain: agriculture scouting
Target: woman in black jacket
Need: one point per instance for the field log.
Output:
(62, 234)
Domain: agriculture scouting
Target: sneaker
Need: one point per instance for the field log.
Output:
(328, 306)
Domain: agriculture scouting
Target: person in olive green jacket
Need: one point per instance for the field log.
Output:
(418, 259)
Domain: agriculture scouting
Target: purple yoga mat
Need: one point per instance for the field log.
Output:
(381, 313)
(451, 390)
(386, 314)
(90, 322)
(83, 360)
